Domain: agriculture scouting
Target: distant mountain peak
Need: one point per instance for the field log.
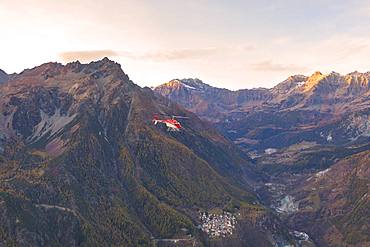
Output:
(53, 73)
(333, 73)
(297, 77)
(290, 83)
(189, 83)
(357, 79)
(44, 66)
(195, 83)
(313, 80)
(175, 83)
(317, 74)
(105, 62)
(358, 73)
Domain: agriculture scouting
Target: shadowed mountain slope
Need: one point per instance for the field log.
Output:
(82, 165)
(3, 76)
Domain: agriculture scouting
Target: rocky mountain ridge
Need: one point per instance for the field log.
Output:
(297, 91)
(81, 164)
(297, 105)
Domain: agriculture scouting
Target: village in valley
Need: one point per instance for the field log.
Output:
(218, 225)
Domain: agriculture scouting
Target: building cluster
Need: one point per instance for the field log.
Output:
(218, 225)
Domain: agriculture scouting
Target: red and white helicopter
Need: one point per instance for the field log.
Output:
(171, 123)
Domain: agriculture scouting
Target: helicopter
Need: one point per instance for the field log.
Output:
(171, 123)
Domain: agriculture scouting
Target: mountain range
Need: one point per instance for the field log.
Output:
(322, 108)
(81, 164)
(303, 129)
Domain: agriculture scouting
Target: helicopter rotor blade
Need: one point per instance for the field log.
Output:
(182, 117)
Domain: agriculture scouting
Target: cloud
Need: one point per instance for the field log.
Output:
(342, 47)
(185, 53)
(176, 54)
(276, 67)
(86, 56)
(156, 55)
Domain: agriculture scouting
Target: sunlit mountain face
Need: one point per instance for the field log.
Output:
(327, 109)
(310, 138)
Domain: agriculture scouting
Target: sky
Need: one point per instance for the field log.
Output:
(232, 44)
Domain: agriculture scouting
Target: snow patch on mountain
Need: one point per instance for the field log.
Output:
(322, 173)
(329, 138)
(270, 151)
(301, 235)
(298, 84)
(187, 86)
(50, 125)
